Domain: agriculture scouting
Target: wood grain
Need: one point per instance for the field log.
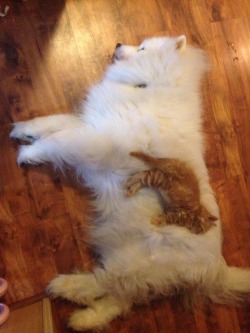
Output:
(50, 53)
(26, 319)
(35, 317)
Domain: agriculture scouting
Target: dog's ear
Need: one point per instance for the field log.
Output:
(181, 42)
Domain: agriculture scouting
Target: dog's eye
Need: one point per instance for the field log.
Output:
(141, 49)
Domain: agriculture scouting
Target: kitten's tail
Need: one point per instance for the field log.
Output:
(149, 160)
(165, 164)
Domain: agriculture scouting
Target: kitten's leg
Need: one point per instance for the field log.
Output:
(134, 183)
(149, 178)
(168, 218)
(180, 218)
(33, 129)
(78, 288)
(191, 222)
(102, 312)
(170, 166)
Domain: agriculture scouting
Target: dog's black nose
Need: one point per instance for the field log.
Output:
(118, 45)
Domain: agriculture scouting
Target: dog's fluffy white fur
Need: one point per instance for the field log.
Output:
(148, 101)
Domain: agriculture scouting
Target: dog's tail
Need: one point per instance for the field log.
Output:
(230, 286)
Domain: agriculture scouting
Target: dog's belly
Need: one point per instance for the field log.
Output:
(164, 126)
(126, 231)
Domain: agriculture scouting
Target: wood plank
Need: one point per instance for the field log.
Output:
(48, 326)
(25, 319)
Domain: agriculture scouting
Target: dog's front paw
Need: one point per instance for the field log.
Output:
(58, 286)
(28, 155)
(79, 288)
(23, 131)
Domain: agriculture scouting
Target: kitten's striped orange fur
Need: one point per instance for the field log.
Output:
(179, 189)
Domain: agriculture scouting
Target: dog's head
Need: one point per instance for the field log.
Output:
(156, 61)
(149, 46)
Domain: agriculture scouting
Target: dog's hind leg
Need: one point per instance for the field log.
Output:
(98, 316)
(81, 288)
(84, 289)
(36, 128)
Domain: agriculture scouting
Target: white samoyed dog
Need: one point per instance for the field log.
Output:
(148, 101)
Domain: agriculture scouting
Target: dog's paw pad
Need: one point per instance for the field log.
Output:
(28, 155)
(22, 131)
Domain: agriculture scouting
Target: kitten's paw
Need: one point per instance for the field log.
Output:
(159, 220)
(23, 130)
(130, 191)
(132, 186)
(28, 155)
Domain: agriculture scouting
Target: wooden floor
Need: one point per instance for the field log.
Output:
(41, 320)
(50, 53)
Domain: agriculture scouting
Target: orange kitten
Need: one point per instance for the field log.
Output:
(179, 189)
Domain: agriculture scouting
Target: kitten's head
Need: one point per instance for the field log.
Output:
(205, 221)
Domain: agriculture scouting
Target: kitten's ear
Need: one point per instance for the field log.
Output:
(207, 216)
(181, 43)
(212, 218)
